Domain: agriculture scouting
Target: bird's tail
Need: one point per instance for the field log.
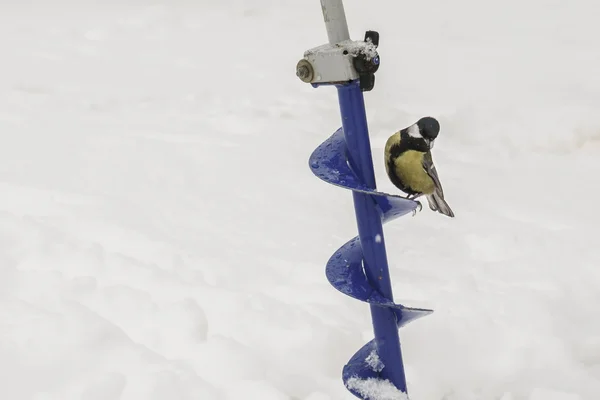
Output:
(437, 203)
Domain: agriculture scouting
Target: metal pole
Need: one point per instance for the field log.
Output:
(335, 21)
(370, 230)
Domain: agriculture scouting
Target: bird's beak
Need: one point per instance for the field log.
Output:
(430, 143)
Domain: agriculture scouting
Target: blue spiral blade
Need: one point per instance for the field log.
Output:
(345, 269)
(362, 365)
(345, 273)
(358, 367)
(328, 162)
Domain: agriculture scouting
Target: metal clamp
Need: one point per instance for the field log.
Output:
(342, 62)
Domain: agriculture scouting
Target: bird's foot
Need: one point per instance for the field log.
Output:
(419, 206)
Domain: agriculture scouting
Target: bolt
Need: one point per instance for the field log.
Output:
(303, 72)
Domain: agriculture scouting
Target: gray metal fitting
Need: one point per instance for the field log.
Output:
(304, 71)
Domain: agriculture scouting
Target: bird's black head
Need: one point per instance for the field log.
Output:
(421, 135)
(429, 127)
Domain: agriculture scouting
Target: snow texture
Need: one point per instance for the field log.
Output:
(376, 389)
(359, 46)
(162, 236)
(375, 362)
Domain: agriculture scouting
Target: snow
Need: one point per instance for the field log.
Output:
(374, 361)
(162, 236)
(543, 394)
(357, 46)
(376, 389)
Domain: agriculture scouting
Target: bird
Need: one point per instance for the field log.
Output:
(409, 164)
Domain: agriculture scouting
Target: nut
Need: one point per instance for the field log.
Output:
(304, 71)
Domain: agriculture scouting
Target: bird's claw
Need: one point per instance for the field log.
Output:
(419, 206)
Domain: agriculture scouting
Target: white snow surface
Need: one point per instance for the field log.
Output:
(376, 389)
(162, 236)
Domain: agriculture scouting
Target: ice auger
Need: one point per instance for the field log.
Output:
(359, 268)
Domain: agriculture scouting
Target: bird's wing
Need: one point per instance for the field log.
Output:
(436, 199)
(431, 171)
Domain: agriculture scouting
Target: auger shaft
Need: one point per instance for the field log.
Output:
(370, 231)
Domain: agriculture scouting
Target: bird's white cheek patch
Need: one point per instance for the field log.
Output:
(413, 131)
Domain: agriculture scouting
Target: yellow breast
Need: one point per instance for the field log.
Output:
(409, 168)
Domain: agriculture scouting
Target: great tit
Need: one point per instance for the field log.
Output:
(409, 164)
